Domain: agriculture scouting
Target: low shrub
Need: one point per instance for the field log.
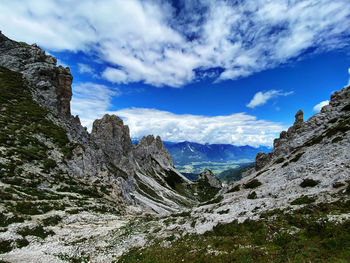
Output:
(252, 195)
(303, 200)
(236, 188)
(309, 183)
(252, 184)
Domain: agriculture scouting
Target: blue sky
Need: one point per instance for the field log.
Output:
(204, 71)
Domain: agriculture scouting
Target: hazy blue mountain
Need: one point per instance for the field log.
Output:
(186, 152)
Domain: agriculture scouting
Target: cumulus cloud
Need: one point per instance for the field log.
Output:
(237, 129)
(260, 98)
(153, 42)
(91, 101)
(319, 106)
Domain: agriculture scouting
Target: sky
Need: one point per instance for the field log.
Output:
(207, 71)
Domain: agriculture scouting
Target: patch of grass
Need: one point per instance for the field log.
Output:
(214, 201)
(346, 108)
(285, 164)
(38, 231)
(5, 246)
(314, 140)
(252, 195)
(261, 172)
(270, 239)
(337, 139)
(182, 214)
(279, 160)
(6, 220)
(338, 184)
(297, 157)
(303, 200)
(236, 188)
(49, 164)
(309, 183)
(52, 220)
(254, 183)
(341, 127)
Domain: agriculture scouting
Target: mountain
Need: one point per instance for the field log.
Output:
(186, 152)
(72, 196)
(292, 206)
(52, 169)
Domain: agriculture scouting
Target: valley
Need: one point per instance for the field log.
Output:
(69, 195)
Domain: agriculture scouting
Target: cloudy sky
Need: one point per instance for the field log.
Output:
(208, 71)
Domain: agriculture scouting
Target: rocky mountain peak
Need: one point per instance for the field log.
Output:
(51, 85)
(333, 120)
(112, 135)
(151, 146)
(208, 176)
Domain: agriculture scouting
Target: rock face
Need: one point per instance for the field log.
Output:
(113, 138)
(142, 176)
(149, 147)
(211, 178)
(322, 127)
(51, 85)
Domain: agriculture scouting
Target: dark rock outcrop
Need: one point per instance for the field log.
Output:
(152, 148)
(212, 180)
(112, 136)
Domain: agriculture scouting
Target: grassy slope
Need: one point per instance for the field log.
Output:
(31, 183)
(304, 235)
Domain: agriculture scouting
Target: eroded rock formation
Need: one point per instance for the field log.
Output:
(51, 85)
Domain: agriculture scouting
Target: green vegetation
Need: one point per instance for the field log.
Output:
(297, 157)
(279, 160)
(234, 174)
(214, 201)
(346, 108)
(338, 184)
(252, 195)
(52, 220)
(303, 200)
(234, 189)
(215, 167)
(279, 236)
(38, 231)
(254, 183)
(309, 183)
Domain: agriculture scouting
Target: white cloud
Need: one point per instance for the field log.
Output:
(319, 106)
(237, 129)
(84, 68)
(90, 101)
(148, 41)
(260, 98)
(115, 75)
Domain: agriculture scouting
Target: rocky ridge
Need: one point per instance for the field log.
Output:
(71, 196)
(107, 154)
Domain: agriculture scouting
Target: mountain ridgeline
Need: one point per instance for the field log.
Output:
(185, 152)
(41, 139)
(72, 196)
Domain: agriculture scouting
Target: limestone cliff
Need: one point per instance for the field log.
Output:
(142, 176)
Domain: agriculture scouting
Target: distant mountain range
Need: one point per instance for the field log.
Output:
(187, 152)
